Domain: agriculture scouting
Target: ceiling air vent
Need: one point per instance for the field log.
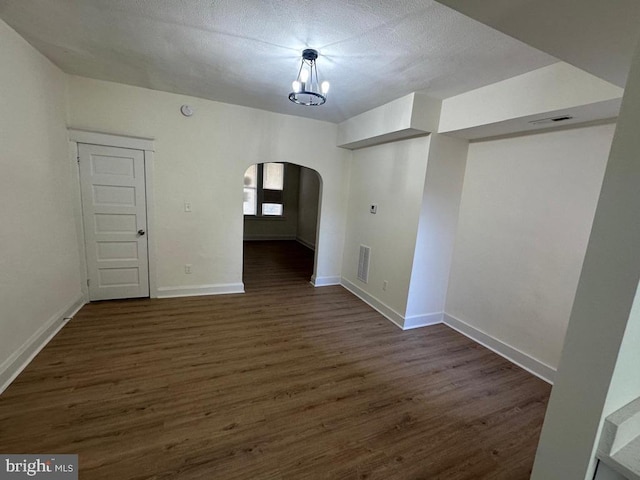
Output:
(551, 120)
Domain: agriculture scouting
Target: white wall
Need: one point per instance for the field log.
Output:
(527, 207)
(392, 176)
(437, 230)
(625, 383)
(603, 313)
(39, 260)
(203, 159)
(308, 207)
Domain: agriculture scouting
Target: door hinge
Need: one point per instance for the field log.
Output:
(78, 158)
(88, 282)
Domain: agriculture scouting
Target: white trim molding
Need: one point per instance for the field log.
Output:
(376, 304)
(18, 361)
(405, 323)
(200, 290)
(523, 360)
(77, 136)
(303, 242)
(268, 237)
(110, 139)
(425, 320)
(152, 252)
(324, 281)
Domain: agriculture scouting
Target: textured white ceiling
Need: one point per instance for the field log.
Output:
(247, 52)
(595, 35)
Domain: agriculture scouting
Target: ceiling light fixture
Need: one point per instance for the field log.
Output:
(307, 89)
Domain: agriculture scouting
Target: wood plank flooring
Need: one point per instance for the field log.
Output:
(285, 382)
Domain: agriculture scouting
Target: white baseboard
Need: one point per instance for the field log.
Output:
(324, 281)
(309, 245)
(373, 302)
(405, 323)
(199, 290)
(417, 321)
(267, 237)
(530, 364)
(19, 360)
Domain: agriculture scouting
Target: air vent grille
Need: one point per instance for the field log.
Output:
(363, 263)
(543, 121)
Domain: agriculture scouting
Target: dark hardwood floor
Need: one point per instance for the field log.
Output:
(285, 382)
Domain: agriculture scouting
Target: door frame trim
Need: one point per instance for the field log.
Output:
(146, 145)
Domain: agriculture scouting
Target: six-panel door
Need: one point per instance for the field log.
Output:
(115, 221)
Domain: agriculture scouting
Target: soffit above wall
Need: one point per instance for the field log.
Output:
(410, 116)
(519, 103)
(581, 116)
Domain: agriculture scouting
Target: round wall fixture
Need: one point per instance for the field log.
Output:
(186, 110)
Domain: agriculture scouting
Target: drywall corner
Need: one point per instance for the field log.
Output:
(406, 117)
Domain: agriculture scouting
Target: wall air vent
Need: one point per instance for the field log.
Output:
(551, 120)
(363, 263)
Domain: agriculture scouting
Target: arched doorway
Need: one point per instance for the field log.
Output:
(281, 209)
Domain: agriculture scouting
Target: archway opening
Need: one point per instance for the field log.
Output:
(281, 209)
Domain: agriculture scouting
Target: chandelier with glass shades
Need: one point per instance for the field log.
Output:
(307, 89)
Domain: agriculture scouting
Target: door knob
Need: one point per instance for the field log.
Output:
(141, 232)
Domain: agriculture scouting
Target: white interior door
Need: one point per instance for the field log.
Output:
(115, 221)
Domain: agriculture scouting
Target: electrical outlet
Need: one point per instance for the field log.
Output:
(187, 268)
(384, 285)
(187, 206)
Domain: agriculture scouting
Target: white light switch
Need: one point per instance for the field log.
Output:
(187, 206)
(373, 208)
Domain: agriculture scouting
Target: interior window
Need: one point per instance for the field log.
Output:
(264, 190)
(250, 190)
